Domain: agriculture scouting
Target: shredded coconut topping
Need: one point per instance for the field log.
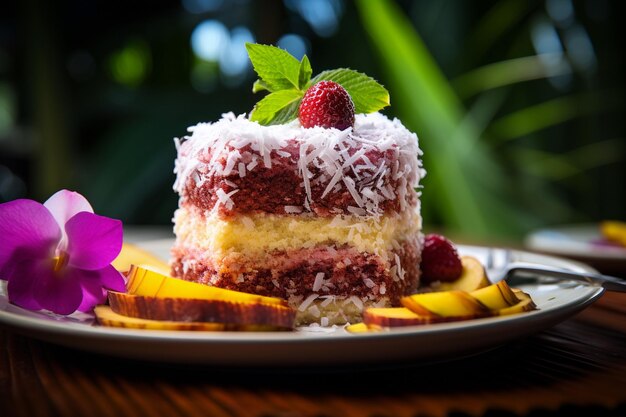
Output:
(234, 145)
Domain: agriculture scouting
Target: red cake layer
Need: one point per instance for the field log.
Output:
(270, 189)
(346, 272)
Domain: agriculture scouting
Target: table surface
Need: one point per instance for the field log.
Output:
(575, 368)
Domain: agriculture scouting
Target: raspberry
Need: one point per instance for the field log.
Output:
(326, 104)
(440, 260)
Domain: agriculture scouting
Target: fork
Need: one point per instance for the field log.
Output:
(502, 265)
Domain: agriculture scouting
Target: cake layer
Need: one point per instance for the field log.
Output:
(325, 274)
(235, 166)
(263, 233)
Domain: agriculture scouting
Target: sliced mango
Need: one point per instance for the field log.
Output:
(445, 304)
(107, 317)
(496, 297)
(395, 317)
(472, 277)
(133, 255)
(149, 283)
(362, 328)
(196, 310)
(436, 307)
(525, 303)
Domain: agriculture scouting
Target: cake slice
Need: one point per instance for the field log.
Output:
(327, 219)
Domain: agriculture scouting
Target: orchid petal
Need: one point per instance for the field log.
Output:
(25, 277)
(112, 279)
(27, 231)
(93, 241)
(93, 294)
(93, 282)
(60, 291)
(66, 204)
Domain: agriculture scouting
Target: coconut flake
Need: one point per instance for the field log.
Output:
(352, 189)
(369, 283)
(230, 183)
(357, 211)
(328, 299)
(319, 280)
(225, 198)
(307, 302)
(400, 271)
(314, 310)
(293, 209)
(356, 301)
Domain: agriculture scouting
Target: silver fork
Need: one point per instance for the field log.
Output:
(501, 264)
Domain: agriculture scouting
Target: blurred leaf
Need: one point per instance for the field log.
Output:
(428, 104)
(559, 166)
(543, 115)
(509, 72)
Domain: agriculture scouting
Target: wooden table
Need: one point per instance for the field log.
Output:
(575, 368)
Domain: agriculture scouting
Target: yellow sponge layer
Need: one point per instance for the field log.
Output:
(268, 232)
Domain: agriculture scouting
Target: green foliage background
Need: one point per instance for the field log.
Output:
(505, 150)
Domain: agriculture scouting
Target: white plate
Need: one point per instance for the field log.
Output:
(445, 341)
(575, 240)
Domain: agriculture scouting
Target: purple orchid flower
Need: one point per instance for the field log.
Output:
(57, 255)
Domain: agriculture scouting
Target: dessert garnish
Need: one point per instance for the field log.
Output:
(57, 256)
(440, 260)
(326, 104)
(287, 80)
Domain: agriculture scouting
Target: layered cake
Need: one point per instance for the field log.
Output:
(327, 219)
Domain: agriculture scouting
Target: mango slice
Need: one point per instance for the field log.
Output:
(106, 317)
(393, 317)
(497, 296)
(133, 255)
(525, 304)
(473, 277)
(437, 307)
(445, 304)
(362, 328)
(149, 283)
(197, 310)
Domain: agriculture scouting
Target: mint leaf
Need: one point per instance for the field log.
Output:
(287, 113)
(367, 94)
(305, 73)
(276, 67)
(260, 85)
(265, 110)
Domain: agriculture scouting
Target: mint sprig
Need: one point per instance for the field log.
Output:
(287, 79)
